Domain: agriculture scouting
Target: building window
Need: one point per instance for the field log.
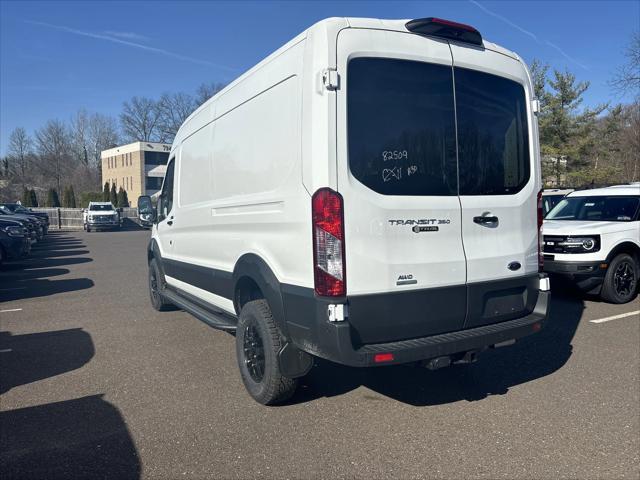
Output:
(152, 183)
(156, 158)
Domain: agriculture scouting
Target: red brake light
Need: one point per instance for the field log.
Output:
(383, 357)
(328, 243)
(437, 27)
(540, 220)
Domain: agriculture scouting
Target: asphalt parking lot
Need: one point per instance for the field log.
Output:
(96, 383)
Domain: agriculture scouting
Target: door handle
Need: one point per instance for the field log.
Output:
(486, 220)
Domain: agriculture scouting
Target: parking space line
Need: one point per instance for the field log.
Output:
(11, 310)
(616, 317)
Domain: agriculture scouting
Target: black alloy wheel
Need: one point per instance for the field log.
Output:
(254, 353)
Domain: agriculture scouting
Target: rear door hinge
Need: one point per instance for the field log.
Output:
(330, 79)
(535, 106)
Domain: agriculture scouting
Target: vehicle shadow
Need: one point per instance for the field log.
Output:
(80, 438)
(495, 372)
(31, 277)
(31, 357)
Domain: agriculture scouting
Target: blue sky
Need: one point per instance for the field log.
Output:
(56, 57)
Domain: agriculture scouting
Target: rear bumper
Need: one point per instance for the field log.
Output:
(587, 276)
(338, 341)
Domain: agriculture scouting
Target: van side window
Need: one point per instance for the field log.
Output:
(493, 140)
(401, 126)
(166, 196)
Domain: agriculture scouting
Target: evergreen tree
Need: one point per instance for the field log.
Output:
(68, 197)
(113, 196)
(105, 192)
(566, 129)
(26, 197)
(126, 199)
(34, 198)
(121, 198)
(72, 197)
(52, 198)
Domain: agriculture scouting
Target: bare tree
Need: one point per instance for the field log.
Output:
(139, 120)
(627, 78)
(103, 134)
(80, 136)
(207, 90)
(174, 110)
(19, 149)
(54, 145)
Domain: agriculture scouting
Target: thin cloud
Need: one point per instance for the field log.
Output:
(565, 55)
(504, 19)
(128, 43)
(528, 33)
(127, 35)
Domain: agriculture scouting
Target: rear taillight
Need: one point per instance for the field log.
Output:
(328, 243)
(540, 218)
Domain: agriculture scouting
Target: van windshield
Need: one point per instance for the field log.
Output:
(601, 208)
(401, 121)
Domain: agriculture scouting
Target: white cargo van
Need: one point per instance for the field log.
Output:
(368, 194)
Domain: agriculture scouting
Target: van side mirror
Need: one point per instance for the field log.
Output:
(146, 210)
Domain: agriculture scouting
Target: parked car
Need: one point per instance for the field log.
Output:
(19, 209)
(551, 197)
(592, 238)
(36, 229)
(383, 211)
(100, 216)
(14, 240)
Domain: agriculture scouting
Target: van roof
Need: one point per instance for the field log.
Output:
(622, 190)
(328, 25)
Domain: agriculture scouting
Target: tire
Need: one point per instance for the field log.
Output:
(258, 342)
(621, 280)
(156, 284)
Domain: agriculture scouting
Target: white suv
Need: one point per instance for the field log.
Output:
(100, 216)
(592, 237)
(368, 194)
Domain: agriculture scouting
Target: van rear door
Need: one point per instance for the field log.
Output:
(498, 184)
(397, 172)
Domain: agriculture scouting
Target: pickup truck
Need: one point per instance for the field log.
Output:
(100, 216)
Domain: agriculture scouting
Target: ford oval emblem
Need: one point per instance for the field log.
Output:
(513, 266)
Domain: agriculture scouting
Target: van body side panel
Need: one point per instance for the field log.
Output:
(240, 188)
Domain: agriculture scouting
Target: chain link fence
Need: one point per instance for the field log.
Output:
(71, 218)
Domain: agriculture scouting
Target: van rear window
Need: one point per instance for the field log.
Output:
(402, 129)
(401, 126)
(493, 141)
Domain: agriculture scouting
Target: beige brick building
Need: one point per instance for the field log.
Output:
(138, 167)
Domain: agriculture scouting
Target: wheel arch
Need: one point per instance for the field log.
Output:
(253, 279)
(625, 247)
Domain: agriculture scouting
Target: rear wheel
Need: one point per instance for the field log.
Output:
(258, 342)
(155, 288)
(621, 280)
